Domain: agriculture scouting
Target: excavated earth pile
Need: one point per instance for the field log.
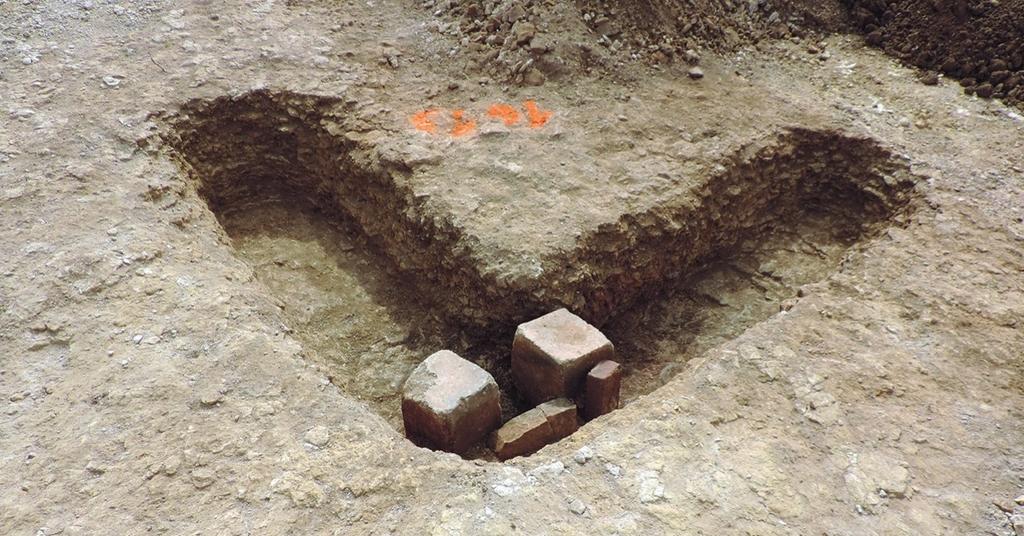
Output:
(231, 231)
(979, 43)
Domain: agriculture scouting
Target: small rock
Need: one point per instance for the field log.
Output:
(583, 455)
(515, 13)
(1019, 500)
(170, 466)
(95, 468)
(524, 32)
(651, 488)
(202, 477)
(111, 81)
(534, 77)
(577, 507)
(695, 73)
(318, 436)
(211, 397)
(1017, 521)
(613, 469)
(930, 78)
(691, 57)
(549, 470)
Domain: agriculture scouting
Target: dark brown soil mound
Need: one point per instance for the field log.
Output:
(533, 40)
(981, 43)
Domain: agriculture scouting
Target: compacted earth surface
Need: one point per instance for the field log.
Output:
(230, 231)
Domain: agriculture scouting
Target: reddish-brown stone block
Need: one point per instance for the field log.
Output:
(562, 417)
(601, 391)
(449, 403)
(552, 354)
(531, 431)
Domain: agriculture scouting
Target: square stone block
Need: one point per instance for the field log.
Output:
(552, 354)
(449, 403)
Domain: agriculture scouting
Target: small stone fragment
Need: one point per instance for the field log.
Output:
(577, 507)
(170, 466)
(533, 77)
(696, 73)
(583, 455)
(691, 57)
(202, 477)
(524, 32)
(552, 354)
(211, 397)
(449, 403)
(318, 436)
(601, 392)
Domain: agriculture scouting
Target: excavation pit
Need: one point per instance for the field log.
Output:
(373, 277)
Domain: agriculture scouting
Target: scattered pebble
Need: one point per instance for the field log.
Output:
(577, 507)
(583, 455)
(930, 78)
(211, 398)
(202, 477)
(695, 73)
(318, 436)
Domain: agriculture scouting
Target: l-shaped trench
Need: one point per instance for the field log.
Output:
(372, 284)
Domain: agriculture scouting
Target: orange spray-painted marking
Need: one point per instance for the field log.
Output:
(462, 125)
(422, 121)
(536, 116)
(504, 112)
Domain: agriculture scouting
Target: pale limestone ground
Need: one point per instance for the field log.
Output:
(150, 384)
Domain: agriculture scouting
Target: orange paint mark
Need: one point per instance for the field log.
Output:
(504, 112)
(462, 125)
(422, 121)
(536, 116)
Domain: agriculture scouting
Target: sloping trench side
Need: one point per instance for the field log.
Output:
(319, 147)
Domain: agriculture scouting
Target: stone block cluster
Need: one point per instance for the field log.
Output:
(561, 364)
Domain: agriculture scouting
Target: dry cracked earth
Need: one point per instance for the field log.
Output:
(231, 229)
